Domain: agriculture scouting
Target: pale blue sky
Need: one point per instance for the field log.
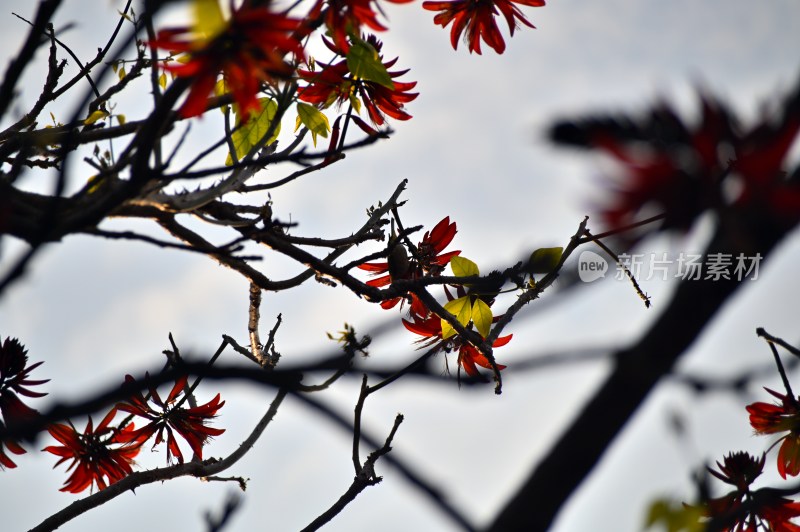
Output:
(475, 151)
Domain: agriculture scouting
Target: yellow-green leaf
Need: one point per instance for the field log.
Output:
(364, 63)
(162, 81)
(462, 310)
(314, 120)
(251, 132)
(220, 89)
(482, 317)
(356, 103)
(463, 267)
(545, 260)
(121, 119)
(675, 517)
(208, 19)
(94, 117)
(121, 73)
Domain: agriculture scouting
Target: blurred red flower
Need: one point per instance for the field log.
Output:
(683, 170)
(476, 19)
(248, 49)
(170, 416)
(99, 456)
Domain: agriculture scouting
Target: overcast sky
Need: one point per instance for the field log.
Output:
(475, 150)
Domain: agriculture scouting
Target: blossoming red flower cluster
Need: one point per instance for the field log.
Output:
(335, 83)
(258, 44)
(102, 455)
(746, 508)
(428, 258)
(476, 20)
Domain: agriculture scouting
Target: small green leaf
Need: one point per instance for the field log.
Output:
(314, 120)
(121, 119)
(463, 267)
(462, 310)
(251, 132)
(121, 73)
(162, 81)
(364, 63)
(544, 260)
(482, 317)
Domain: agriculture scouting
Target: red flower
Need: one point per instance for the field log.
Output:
(248, 49)
(170, 416)
(99, 456)
(12, 446)
(335, 83)
(429, 326)
(428, 259)
(469, 356)
(739, 470)
(476, 19)
(769, 418)
(744, 510)
(14, 381)
(345, 17)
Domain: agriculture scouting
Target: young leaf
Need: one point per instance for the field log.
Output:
(208, 19)
(364, 62)
(94, 117)
(220, 89)
(251, 132)
(314, 120)
(482, 317)
(462, 310)
(463, 267)
(544, 260)
(675, 517)
(356, 103)
(162, 81)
